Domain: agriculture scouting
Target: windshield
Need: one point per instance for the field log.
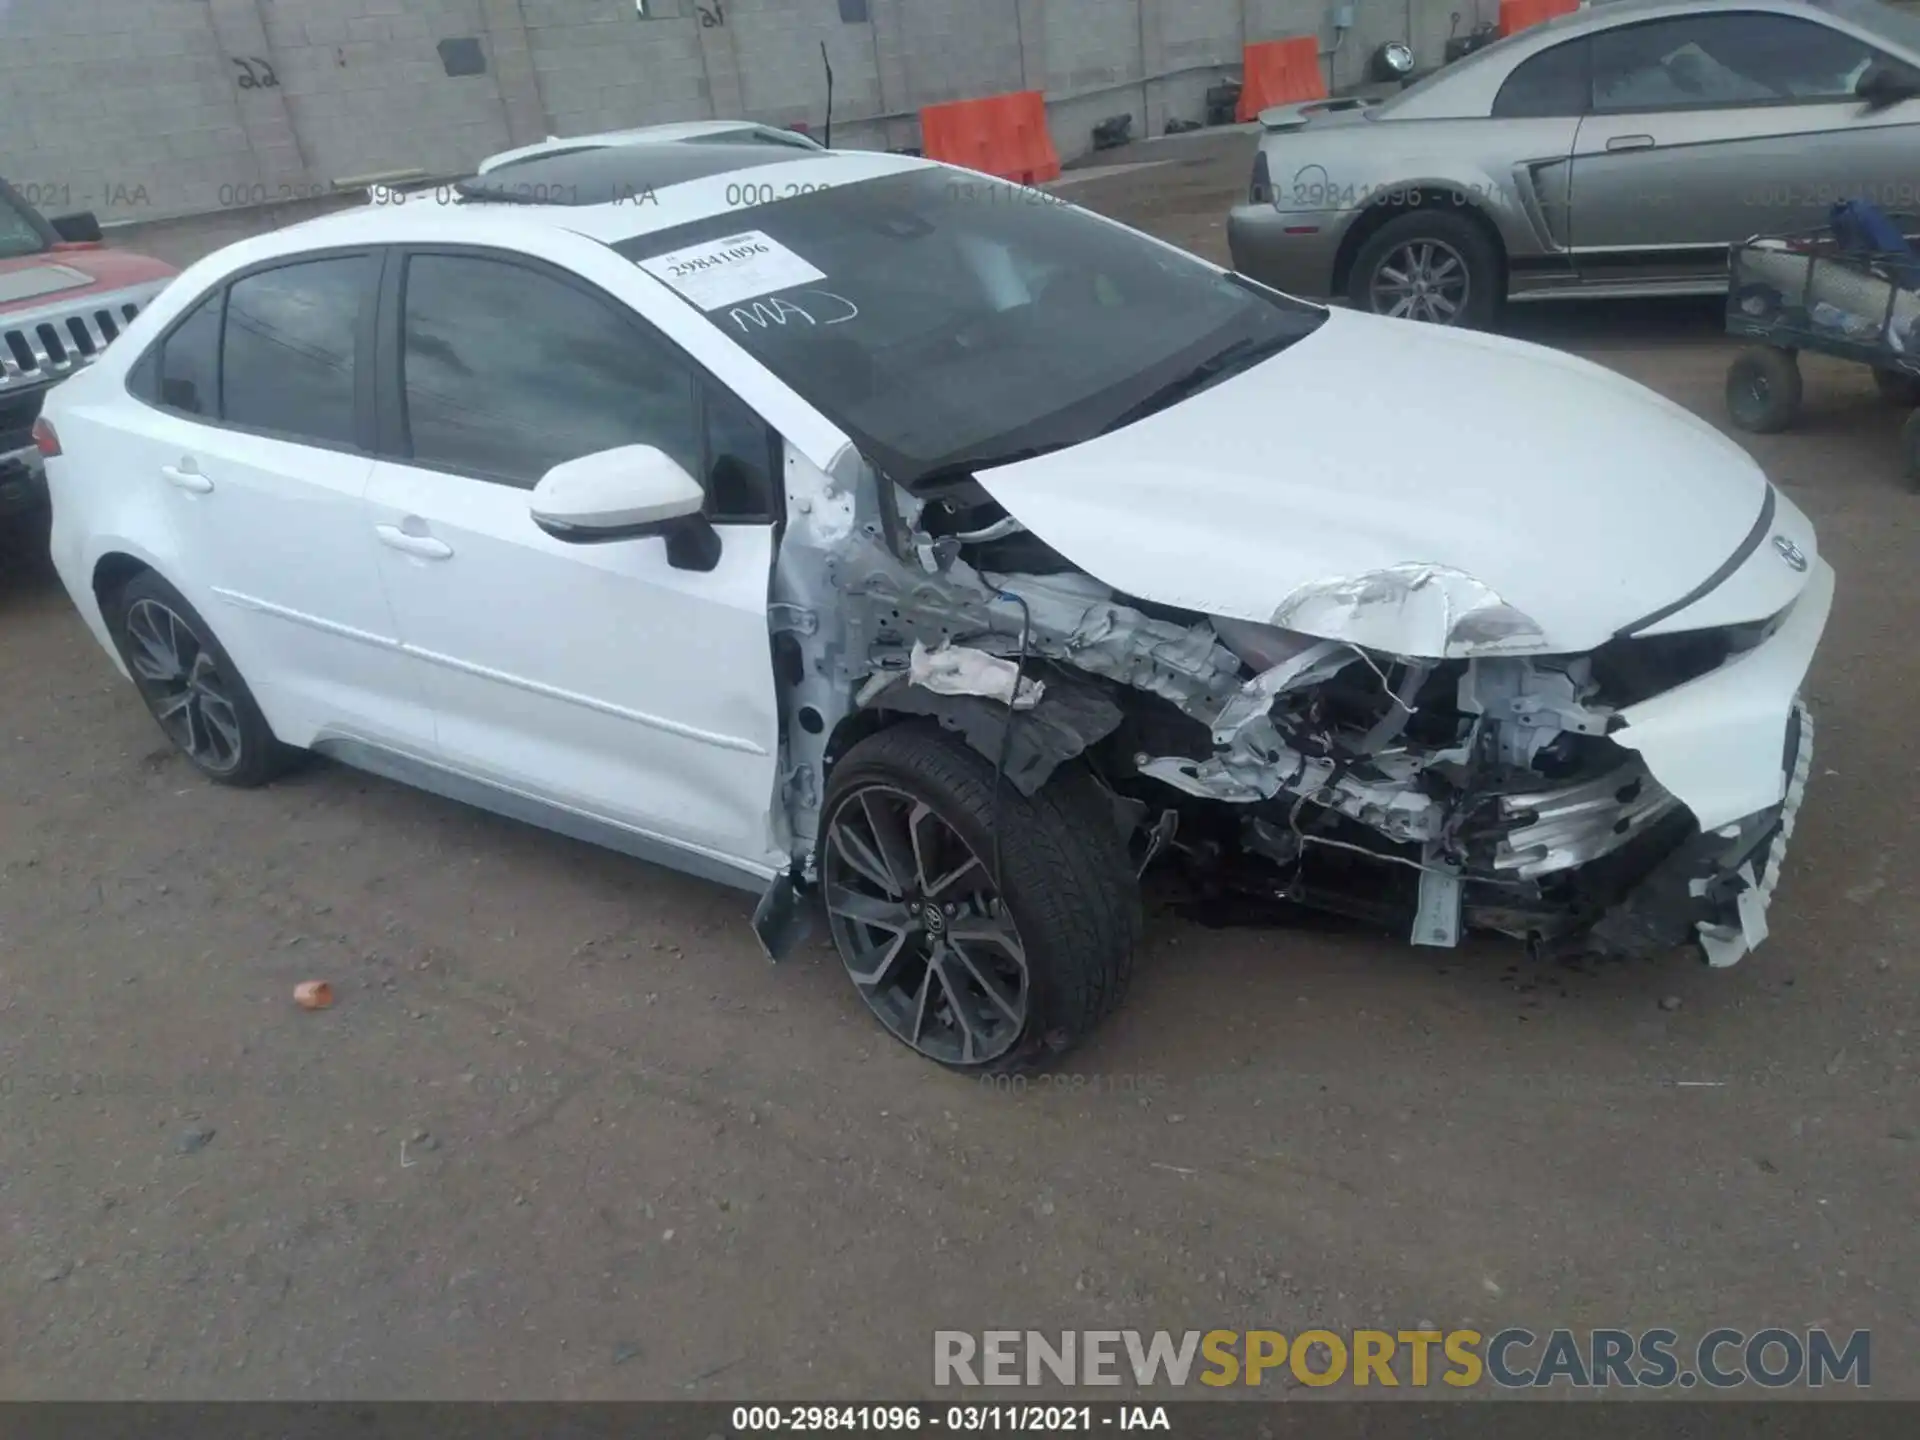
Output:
(21, 230)
(943, 319)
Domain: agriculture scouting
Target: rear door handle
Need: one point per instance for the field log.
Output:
(1630, 142)
(186, 479)
(423, 546)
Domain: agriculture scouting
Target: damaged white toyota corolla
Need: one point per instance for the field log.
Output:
(851, 526)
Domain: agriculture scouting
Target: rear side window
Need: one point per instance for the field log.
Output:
(287, 366)
(189, 364)
(1554, 82)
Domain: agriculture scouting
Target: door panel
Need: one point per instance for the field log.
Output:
(1668, 205)
(276, 533)
(597, 676)
(268, 533)
(1710, 127)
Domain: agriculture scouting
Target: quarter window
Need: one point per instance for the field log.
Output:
(287, 364)
(190, 361)
(1724, 59)
(1554, 82)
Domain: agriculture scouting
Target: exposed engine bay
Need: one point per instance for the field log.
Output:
(1435, 795)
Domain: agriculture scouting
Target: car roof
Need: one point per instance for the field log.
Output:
(1606, 14)
(586, 178)
(604, 195)
(671, 131)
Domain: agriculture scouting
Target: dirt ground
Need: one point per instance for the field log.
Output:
(565, 1132)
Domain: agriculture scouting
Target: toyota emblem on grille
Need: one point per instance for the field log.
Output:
(1790, 552)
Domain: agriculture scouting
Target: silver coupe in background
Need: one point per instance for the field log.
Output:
(1614, 151)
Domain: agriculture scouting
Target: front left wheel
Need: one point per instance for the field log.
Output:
(982, 962)
(191, 686)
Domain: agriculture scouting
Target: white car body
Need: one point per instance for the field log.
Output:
(1355, 498)
(673, 132)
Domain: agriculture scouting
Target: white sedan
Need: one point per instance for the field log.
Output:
(851, 528)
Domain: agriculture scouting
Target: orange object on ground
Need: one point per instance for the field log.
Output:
(1517, 15)
(313, 994)
(1004, 135)
(1278, 72)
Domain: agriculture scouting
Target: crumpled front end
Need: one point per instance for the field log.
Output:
(1717, 885)
(1635, 797)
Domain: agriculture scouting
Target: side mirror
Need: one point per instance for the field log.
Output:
(633, 492)
(82, 228)
(1882, 86)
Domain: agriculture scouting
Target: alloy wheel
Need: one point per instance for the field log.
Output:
(924, 933)
(1422, 280)
(181, 683)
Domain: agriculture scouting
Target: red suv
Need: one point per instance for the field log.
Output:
(64, 297)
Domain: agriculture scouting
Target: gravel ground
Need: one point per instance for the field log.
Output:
(565, 1132)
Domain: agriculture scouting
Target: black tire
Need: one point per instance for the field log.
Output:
(1898, 387)
(1763, 389)
(1910, 449)
(205, 709)
(23, 538)
(1065, 884)
(1449, 235)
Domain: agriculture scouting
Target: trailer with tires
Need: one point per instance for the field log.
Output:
(1850, 289)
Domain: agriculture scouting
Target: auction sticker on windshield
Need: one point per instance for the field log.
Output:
(738, 267)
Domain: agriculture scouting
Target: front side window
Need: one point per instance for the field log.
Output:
(948, 321)
(509, 372)
(1724, 59)
(1554, 82)
(287, 364)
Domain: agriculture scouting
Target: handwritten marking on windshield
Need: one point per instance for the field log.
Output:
(853, 310)
(777, 311)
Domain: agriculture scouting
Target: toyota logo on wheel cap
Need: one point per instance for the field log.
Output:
(1790, 552)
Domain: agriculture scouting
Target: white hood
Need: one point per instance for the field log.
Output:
(1422, 490)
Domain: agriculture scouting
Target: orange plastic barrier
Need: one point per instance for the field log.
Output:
(1004, 135)
(1519, 14)
(1278, 72)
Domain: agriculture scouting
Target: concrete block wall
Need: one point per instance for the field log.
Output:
(119, 108)
(366, 89)
(601, 68)
(141, 109)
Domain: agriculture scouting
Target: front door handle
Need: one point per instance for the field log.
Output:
(423, 546)
(1630, 142)
(185, 479)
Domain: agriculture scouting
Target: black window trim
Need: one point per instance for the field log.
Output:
(143, 376)
(391, 440)
(1785, 102)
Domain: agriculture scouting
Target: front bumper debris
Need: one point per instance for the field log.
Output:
(1716, 888)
